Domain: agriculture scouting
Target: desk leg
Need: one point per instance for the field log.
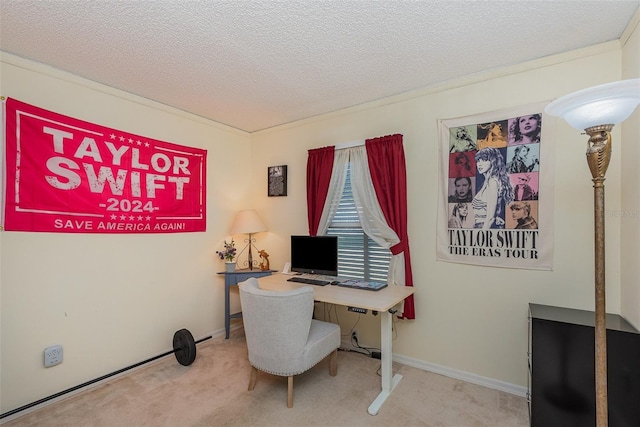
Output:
(389, 381)
(227, 315)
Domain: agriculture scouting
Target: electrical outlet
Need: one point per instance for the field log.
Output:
(354, 335)
(52, 356)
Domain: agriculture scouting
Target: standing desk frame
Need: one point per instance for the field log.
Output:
(381, 301)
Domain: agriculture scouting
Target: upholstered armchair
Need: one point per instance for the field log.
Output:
(282, 337)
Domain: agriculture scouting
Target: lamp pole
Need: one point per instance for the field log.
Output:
(250, 256)
(598, 157)
(248, 222)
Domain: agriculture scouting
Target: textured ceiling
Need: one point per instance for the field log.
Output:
(257, 64)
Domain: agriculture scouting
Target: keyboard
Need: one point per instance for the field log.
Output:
(361, 284)
(308, 281)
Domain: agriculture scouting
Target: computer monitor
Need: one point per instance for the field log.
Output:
(314, 254)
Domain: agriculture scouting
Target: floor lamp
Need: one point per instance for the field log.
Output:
(595, 111)
(248, 222)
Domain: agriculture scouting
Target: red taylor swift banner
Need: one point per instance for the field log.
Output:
(70, 176)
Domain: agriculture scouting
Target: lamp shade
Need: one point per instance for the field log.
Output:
(607, 104)
(247, 222)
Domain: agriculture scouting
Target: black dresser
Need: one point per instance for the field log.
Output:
(562, 368)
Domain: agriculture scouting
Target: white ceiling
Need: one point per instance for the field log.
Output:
(257, 64)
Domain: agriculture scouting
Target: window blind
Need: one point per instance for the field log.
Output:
(359, 257)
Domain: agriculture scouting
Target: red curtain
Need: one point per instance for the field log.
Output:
(388, 173)
(319, 168)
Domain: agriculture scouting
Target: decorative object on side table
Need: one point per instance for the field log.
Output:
(277, 181)
(228, 255)
(595, 111)
(248, 222)
(264, 265)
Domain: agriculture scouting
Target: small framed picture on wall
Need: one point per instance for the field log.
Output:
(277, 181)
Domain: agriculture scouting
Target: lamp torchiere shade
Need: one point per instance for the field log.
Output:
(607, 104)
(248, 222)
(595, 111)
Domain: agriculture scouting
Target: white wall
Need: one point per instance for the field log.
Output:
(472, 319)
(111, 300)
(630, 214)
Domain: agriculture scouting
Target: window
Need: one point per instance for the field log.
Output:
(359, 257)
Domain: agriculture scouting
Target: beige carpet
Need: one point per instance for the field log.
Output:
(213, 392)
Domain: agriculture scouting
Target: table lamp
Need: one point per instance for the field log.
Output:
(595, 111)
(248, 222)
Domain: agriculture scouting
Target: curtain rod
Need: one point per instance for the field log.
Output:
(349, 144)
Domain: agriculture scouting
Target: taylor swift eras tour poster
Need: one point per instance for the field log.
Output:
(496, 189)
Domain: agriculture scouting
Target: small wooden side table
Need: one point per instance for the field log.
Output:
(232, 279)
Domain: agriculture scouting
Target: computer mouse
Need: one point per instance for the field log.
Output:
(335, 282)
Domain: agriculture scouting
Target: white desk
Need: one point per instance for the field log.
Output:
(380, 301)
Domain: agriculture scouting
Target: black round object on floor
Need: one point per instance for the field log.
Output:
(184, 347)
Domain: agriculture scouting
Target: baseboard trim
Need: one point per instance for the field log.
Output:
(453, 373)
(462, 375)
